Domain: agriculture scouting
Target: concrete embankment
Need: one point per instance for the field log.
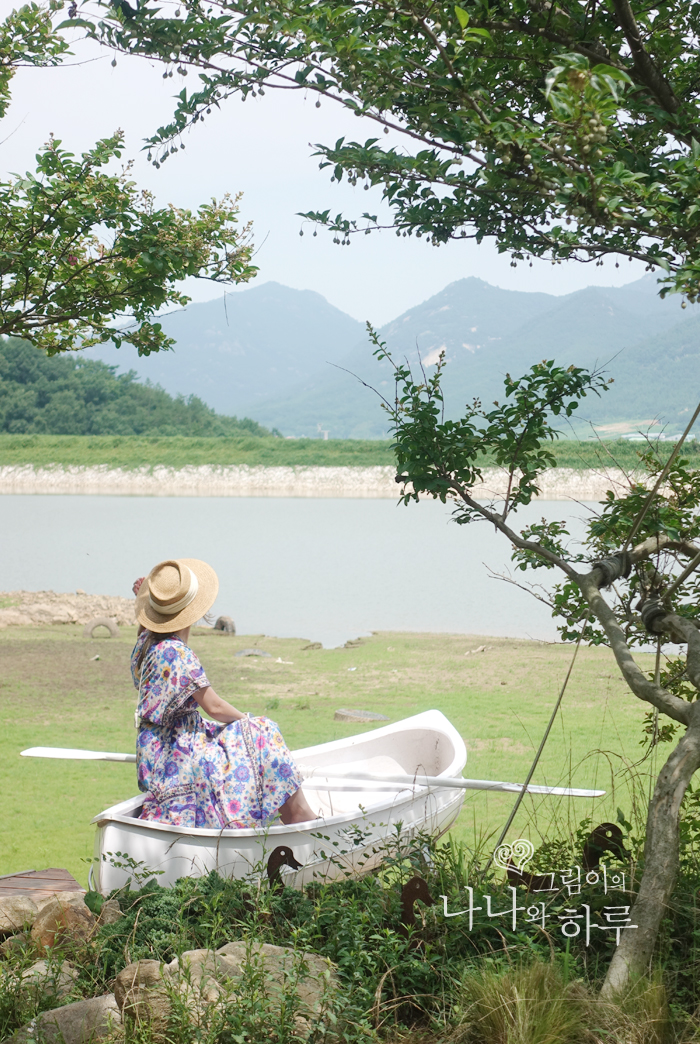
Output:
(249, 481)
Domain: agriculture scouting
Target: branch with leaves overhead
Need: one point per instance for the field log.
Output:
(85, 256)
(561, 131)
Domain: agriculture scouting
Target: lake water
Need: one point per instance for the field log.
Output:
(326, 570)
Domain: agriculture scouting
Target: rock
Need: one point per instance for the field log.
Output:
(43, 613)
(142, 998)
(68, 898)
(110, 912)
(16, 912)
(200, 970)
(358, 715)
(14, 618)
(311, 976)
(61, 918)
(43, 977)
(15, 944)
(252, 652)
(225, 624)
(84, 1022)
(311, 645)
(204, 977)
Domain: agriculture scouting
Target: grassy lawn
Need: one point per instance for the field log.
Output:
(127, 451)
(53, 693)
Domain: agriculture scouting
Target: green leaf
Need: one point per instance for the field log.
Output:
(462, 17)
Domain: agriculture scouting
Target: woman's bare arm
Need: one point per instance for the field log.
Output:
(215, 707)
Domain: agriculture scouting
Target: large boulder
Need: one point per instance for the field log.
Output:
(204, 977)
(208, 977)
(64, 916)
(16, 912)
(55, 979)
(142, 997)
(312, 976)
(84, 1022)
(15, 944)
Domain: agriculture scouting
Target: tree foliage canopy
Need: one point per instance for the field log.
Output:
(85, 256)
(78, 396)
(567, 130)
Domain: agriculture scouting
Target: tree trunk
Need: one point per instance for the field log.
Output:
(632, 957)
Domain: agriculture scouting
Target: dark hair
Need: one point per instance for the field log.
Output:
(152, 638)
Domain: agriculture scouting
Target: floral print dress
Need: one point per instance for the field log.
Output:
(200, 773)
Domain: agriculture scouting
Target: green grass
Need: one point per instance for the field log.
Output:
(53, 694)
(133, 451)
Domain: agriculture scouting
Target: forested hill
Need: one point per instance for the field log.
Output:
(72, 395)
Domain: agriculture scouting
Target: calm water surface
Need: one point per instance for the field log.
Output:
(326, 570)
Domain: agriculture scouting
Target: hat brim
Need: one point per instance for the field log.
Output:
(207, 591)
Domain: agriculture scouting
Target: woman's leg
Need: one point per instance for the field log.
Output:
(296, 809)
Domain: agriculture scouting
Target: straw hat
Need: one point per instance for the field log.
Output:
(176, 594)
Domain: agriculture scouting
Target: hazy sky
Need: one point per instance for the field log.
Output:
(263, 148)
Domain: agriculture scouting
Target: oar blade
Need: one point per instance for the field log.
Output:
(447, 782)
(515, 788)
(74, 754)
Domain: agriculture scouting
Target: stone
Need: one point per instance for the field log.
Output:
(84, 1022)
(16, 912)
(14, 618)
(311, 974)
(200, 970)
(43, 613)
(225, 624)
(110, 912)
(74, 897)
(142, 997)
(204, 977)
(15, 944)
(358, 715)
(63, 919)
(57, 980)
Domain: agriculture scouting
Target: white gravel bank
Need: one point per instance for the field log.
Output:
(244, 481)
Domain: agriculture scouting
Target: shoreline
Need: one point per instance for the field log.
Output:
(242, 480)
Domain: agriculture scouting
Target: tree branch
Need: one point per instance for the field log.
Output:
(643, 64)
(641, 686)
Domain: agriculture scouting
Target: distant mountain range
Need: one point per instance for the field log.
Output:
(265, 353)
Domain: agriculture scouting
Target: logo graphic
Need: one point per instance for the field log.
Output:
(515, 855)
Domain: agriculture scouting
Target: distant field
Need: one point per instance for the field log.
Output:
(132, 451)
(54, 692)
(129, 451)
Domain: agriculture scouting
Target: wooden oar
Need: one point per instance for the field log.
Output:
(317, 775)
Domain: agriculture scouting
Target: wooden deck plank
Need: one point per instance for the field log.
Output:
(39, 883)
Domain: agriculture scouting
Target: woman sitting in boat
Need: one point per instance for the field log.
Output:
(195, 772)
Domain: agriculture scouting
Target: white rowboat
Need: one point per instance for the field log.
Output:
(368, 791)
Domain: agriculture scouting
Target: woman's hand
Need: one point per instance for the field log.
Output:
(137, 584)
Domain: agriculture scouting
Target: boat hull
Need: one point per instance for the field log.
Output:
(358, 824)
